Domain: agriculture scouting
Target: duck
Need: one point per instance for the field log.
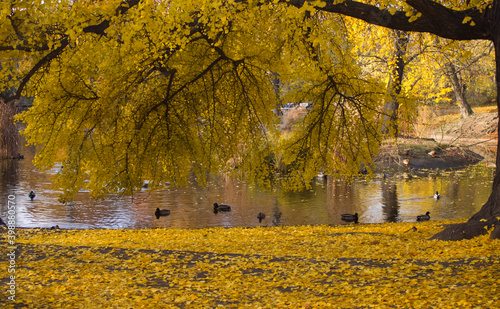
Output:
(425, 217)
(437, 196)
(349, 217)
(161, 212)
(221, 207)
(261, 216)
(32, 195)
(432, 153)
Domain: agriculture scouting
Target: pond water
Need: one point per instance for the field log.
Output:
(396, 198)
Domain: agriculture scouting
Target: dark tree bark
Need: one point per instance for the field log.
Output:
(458, 89)
(395, 82)
(436, 18)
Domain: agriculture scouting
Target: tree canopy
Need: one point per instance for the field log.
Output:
(127, 91)
(169, 88)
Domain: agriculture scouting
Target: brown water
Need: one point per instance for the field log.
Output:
(396, 198)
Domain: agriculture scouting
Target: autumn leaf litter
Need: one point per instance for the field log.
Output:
(353, 266)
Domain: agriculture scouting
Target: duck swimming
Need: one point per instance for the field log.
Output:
(221, 207)
(32, 195)
(161, 213)
(425, 217)
(261, 216)
(437, 196)
(349, 217)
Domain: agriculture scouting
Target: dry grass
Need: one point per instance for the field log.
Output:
(431, 119)
(425, 121)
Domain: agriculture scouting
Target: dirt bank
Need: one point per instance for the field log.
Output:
(467, 141)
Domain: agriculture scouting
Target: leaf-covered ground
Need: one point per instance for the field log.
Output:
(355, 266)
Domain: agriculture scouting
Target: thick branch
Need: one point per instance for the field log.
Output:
(436, 18)
(45, 60)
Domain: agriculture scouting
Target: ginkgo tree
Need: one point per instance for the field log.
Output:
(127, 91)
(164, 89)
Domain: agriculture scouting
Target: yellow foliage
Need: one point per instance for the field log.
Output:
(377, 265)
(170, 88)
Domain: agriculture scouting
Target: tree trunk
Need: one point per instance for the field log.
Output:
(395, 83)
(458, 89)
(8, 131)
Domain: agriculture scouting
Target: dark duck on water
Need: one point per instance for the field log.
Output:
(161, 213)
(425, 217)
(349, 217)
(221, 207)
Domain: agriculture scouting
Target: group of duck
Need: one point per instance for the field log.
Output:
(354, 218)
(217, 207)
(261, 216)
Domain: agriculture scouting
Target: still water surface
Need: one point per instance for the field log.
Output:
(399, 197)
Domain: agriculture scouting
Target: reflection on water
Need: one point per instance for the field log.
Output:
(395, 198)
